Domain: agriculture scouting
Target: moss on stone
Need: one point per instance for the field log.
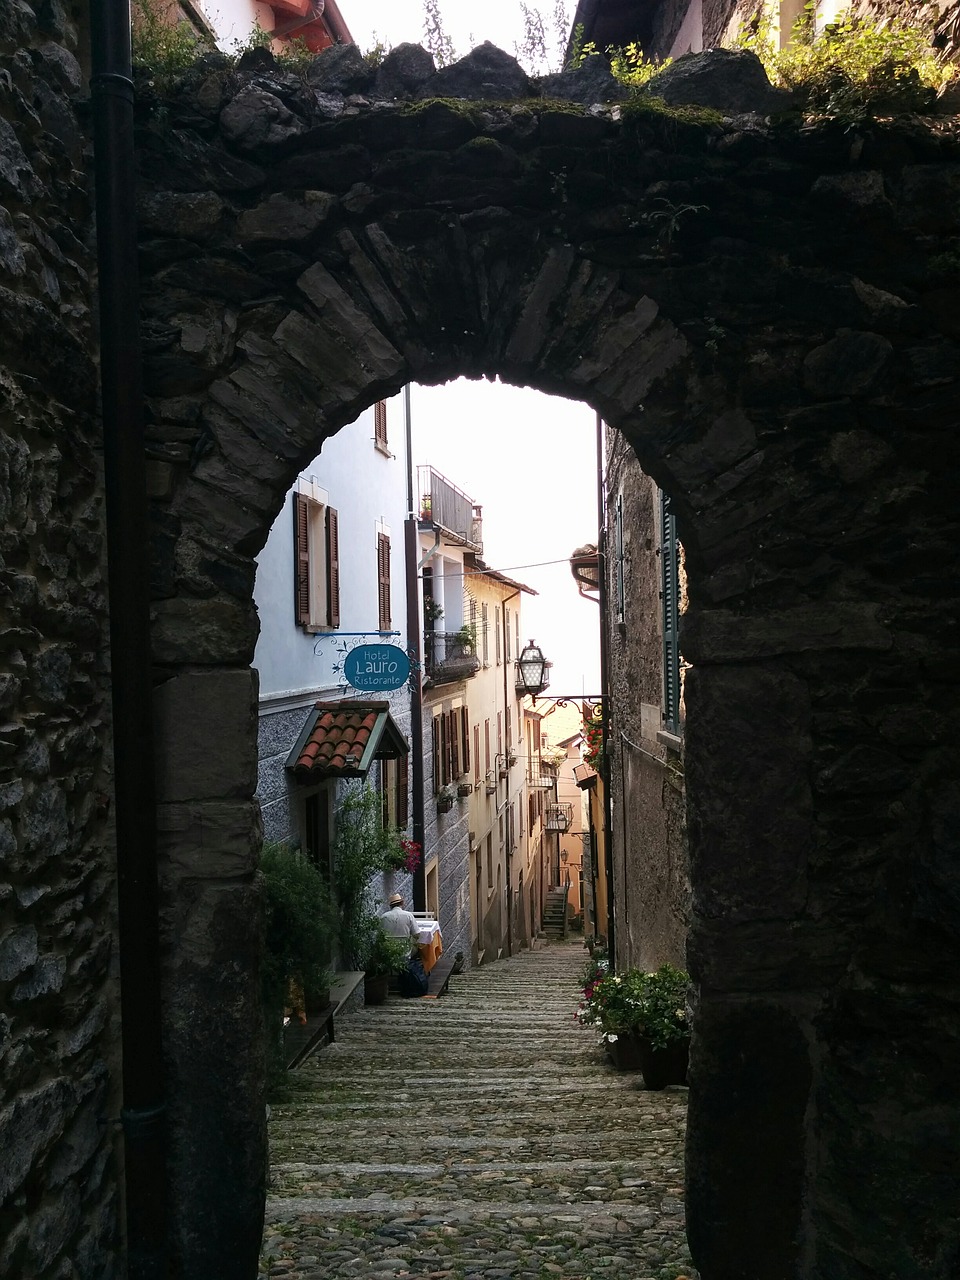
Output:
(657, 108)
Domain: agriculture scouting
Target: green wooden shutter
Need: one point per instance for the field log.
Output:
(670, 599)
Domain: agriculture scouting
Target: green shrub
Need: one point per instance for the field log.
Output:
(854, 67)
(299, 923)
(164, 49)
(362, 847)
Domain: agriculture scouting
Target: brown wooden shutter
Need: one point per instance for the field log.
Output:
(453, 738)
(333, 568)
(403, 782)
(383, 580)
(465, 737)
(301, 559)
(437, 754)
(476, 754)
(380, 424)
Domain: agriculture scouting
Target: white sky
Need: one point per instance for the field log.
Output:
(397, 21)
(530, 461)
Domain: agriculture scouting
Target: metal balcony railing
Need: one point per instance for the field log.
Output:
(541, 781)
(447, 656)
(558, 817)
(448, 508)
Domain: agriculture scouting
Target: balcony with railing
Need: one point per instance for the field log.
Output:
(449, 656)
(541, 776)
(558, 817)
(445, 507)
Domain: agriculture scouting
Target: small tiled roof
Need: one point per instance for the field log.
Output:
(342, 739)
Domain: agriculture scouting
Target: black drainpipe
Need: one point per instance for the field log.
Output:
(411, 546)
(605, 771)
(142, 1115)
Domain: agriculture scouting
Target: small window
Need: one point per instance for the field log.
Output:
(316, 549)
(383, 580)
(380, 426)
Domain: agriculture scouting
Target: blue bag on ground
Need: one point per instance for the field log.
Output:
(413, 981)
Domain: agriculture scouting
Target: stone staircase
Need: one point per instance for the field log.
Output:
(555, 913)
(483, 1136)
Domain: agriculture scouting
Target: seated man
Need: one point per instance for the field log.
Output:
(399, 923)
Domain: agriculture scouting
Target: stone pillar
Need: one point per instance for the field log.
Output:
(209, 838)
(750, 816)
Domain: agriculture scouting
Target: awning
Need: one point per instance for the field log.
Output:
(584, 775)
(342, 740)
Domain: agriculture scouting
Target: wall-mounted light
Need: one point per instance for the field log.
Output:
(532, 670)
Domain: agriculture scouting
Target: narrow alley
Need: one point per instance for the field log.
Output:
(481, 1136)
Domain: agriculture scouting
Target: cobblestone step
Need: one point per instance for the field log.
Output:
(482, 1136)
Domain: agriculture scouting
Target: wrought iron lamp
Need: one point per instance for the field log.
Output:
(532, 670)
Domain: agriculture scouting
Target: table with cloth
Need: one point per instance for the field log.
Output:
(430, 942)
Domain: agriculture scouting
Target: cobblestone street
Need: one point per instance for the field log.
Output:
(481, 1135)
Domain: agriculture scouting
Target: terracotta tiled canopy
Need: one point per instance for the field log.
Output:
(342, 739)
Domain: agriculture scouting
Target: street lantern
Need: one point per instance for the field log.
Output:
(532, 670)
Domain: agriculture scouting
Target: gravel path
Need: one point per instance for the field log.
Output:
(481, 1136)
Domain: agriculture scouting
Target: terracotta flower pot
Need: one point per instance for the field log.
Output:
(375, 988)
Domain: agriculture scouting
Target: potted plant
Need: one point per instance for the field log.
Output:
(466, 637)
(381, 958)
(445, 798)
(643, 1021)
(432, 609)
(404, 855)
(464, 789)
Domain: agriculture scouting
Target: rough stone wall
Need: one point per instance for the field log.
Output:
(58, 1002)
(652, 888)
(767, 313)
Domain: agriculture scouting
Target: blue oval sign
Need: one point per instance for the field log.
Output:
(376, 667)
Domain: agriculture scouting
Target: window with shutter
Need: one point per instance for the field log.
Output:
(465, 739)
(670, 600)
(333, 568)
(383, 580)
(476, 754)
(619, 554)
(301, 556)
(484, 636)
(316, 563)
(380, 426)
(438, 778)
(453, 743)
(509, 731)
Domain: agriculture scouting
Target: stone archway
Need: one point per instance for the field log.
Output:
(759, 311)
